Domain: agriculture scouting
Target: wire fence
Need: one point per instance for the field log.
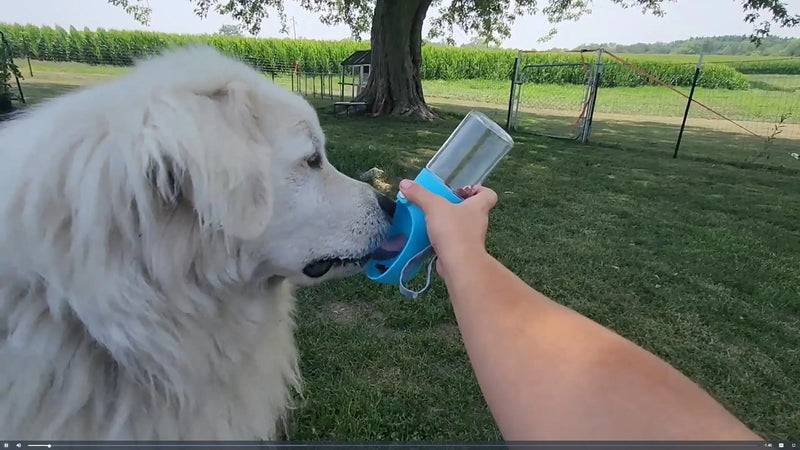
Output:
(308, 80)
(304, 78)
(733, 116)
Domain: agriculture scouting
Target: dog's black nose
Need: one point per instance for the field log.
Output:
(387, 205)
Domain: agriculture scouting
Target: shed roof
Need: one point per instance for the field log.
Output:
(359, 57)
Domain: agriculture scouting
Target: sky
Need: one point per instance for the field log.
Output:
(607, 22)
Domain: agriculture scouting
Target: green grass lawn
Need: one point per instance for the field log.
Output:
(695, 259)
(653, 113)
(770, 96)
(781, 96)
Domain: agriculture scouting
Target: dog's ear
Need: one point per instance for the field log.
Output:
(212, 156)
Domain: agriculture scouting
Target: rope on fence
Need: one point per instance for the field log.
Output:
(585, 106)
(657, 80)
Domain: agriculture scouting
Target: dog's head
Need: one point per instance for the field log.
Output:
(245, 159)
(152, 209)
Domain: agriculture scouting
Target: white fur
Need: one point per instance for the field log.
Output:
(150, 231)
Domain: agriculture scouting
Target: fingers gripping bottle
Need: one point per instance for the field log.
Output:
(466, 158)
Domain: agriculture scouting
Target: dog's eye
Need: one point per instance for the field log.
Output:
(315, 161)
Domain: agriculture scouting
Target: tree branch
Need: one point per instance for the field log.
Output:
(489, 19)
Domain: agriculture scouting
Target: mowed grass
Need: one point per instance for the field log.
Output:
(51, 79)
(770, 96)
(694, 260)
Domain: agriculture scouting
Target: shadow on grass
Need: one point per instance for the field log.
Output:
(698, 143)
(38, 92)
(401, 148)
(694, 261)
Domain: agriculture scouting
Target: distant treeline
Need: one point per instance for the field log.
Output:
(717, 45)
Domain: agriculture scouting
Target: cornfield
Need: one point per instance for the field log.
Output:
(617, 74)
(747, 64)
(314, 56)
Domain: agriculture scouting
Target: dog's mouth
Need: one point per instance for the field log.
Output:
(320, 267)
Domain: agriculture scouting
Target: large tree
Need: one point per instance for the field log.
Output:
(395, 27)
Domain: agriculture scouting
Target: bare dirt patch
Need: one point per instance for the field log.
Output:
(350, 314)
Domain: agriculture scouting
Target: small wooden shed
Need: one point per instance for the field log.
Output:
(357, 68)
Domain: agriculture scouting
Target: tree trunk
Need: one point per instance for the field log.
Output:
(394, 85)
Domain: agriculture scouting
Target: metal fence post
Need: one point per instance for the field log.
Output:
(513, 88)
(688, 105)
(598, 75)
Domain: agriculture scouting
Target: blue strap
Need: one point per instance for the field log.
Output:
(427, 251)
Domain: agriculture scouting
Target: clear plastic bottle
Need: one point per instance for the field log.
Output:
(466, 158)
(471, 152)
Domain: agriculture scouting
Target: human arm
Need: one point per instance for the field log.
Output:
(547, 372)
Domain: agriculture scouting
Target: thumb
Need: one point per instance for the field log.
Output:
(483, 196)
(420, 196)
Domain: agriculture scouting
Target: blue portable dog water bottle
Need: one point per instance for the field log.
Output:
(466, 158)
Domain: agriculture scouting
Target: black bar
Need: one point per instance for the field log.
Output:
(686, 113)
(241, 445)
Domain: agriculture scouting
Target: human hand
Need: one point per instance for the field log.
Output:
(457, 231)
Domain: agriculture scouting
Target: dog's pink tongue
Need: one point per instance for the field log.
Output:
(390, 247)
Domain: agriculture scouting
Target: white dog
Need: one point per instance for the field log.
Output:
(151, 231)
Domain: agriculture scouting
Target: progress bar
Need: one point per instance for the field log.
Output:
(241, 445)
